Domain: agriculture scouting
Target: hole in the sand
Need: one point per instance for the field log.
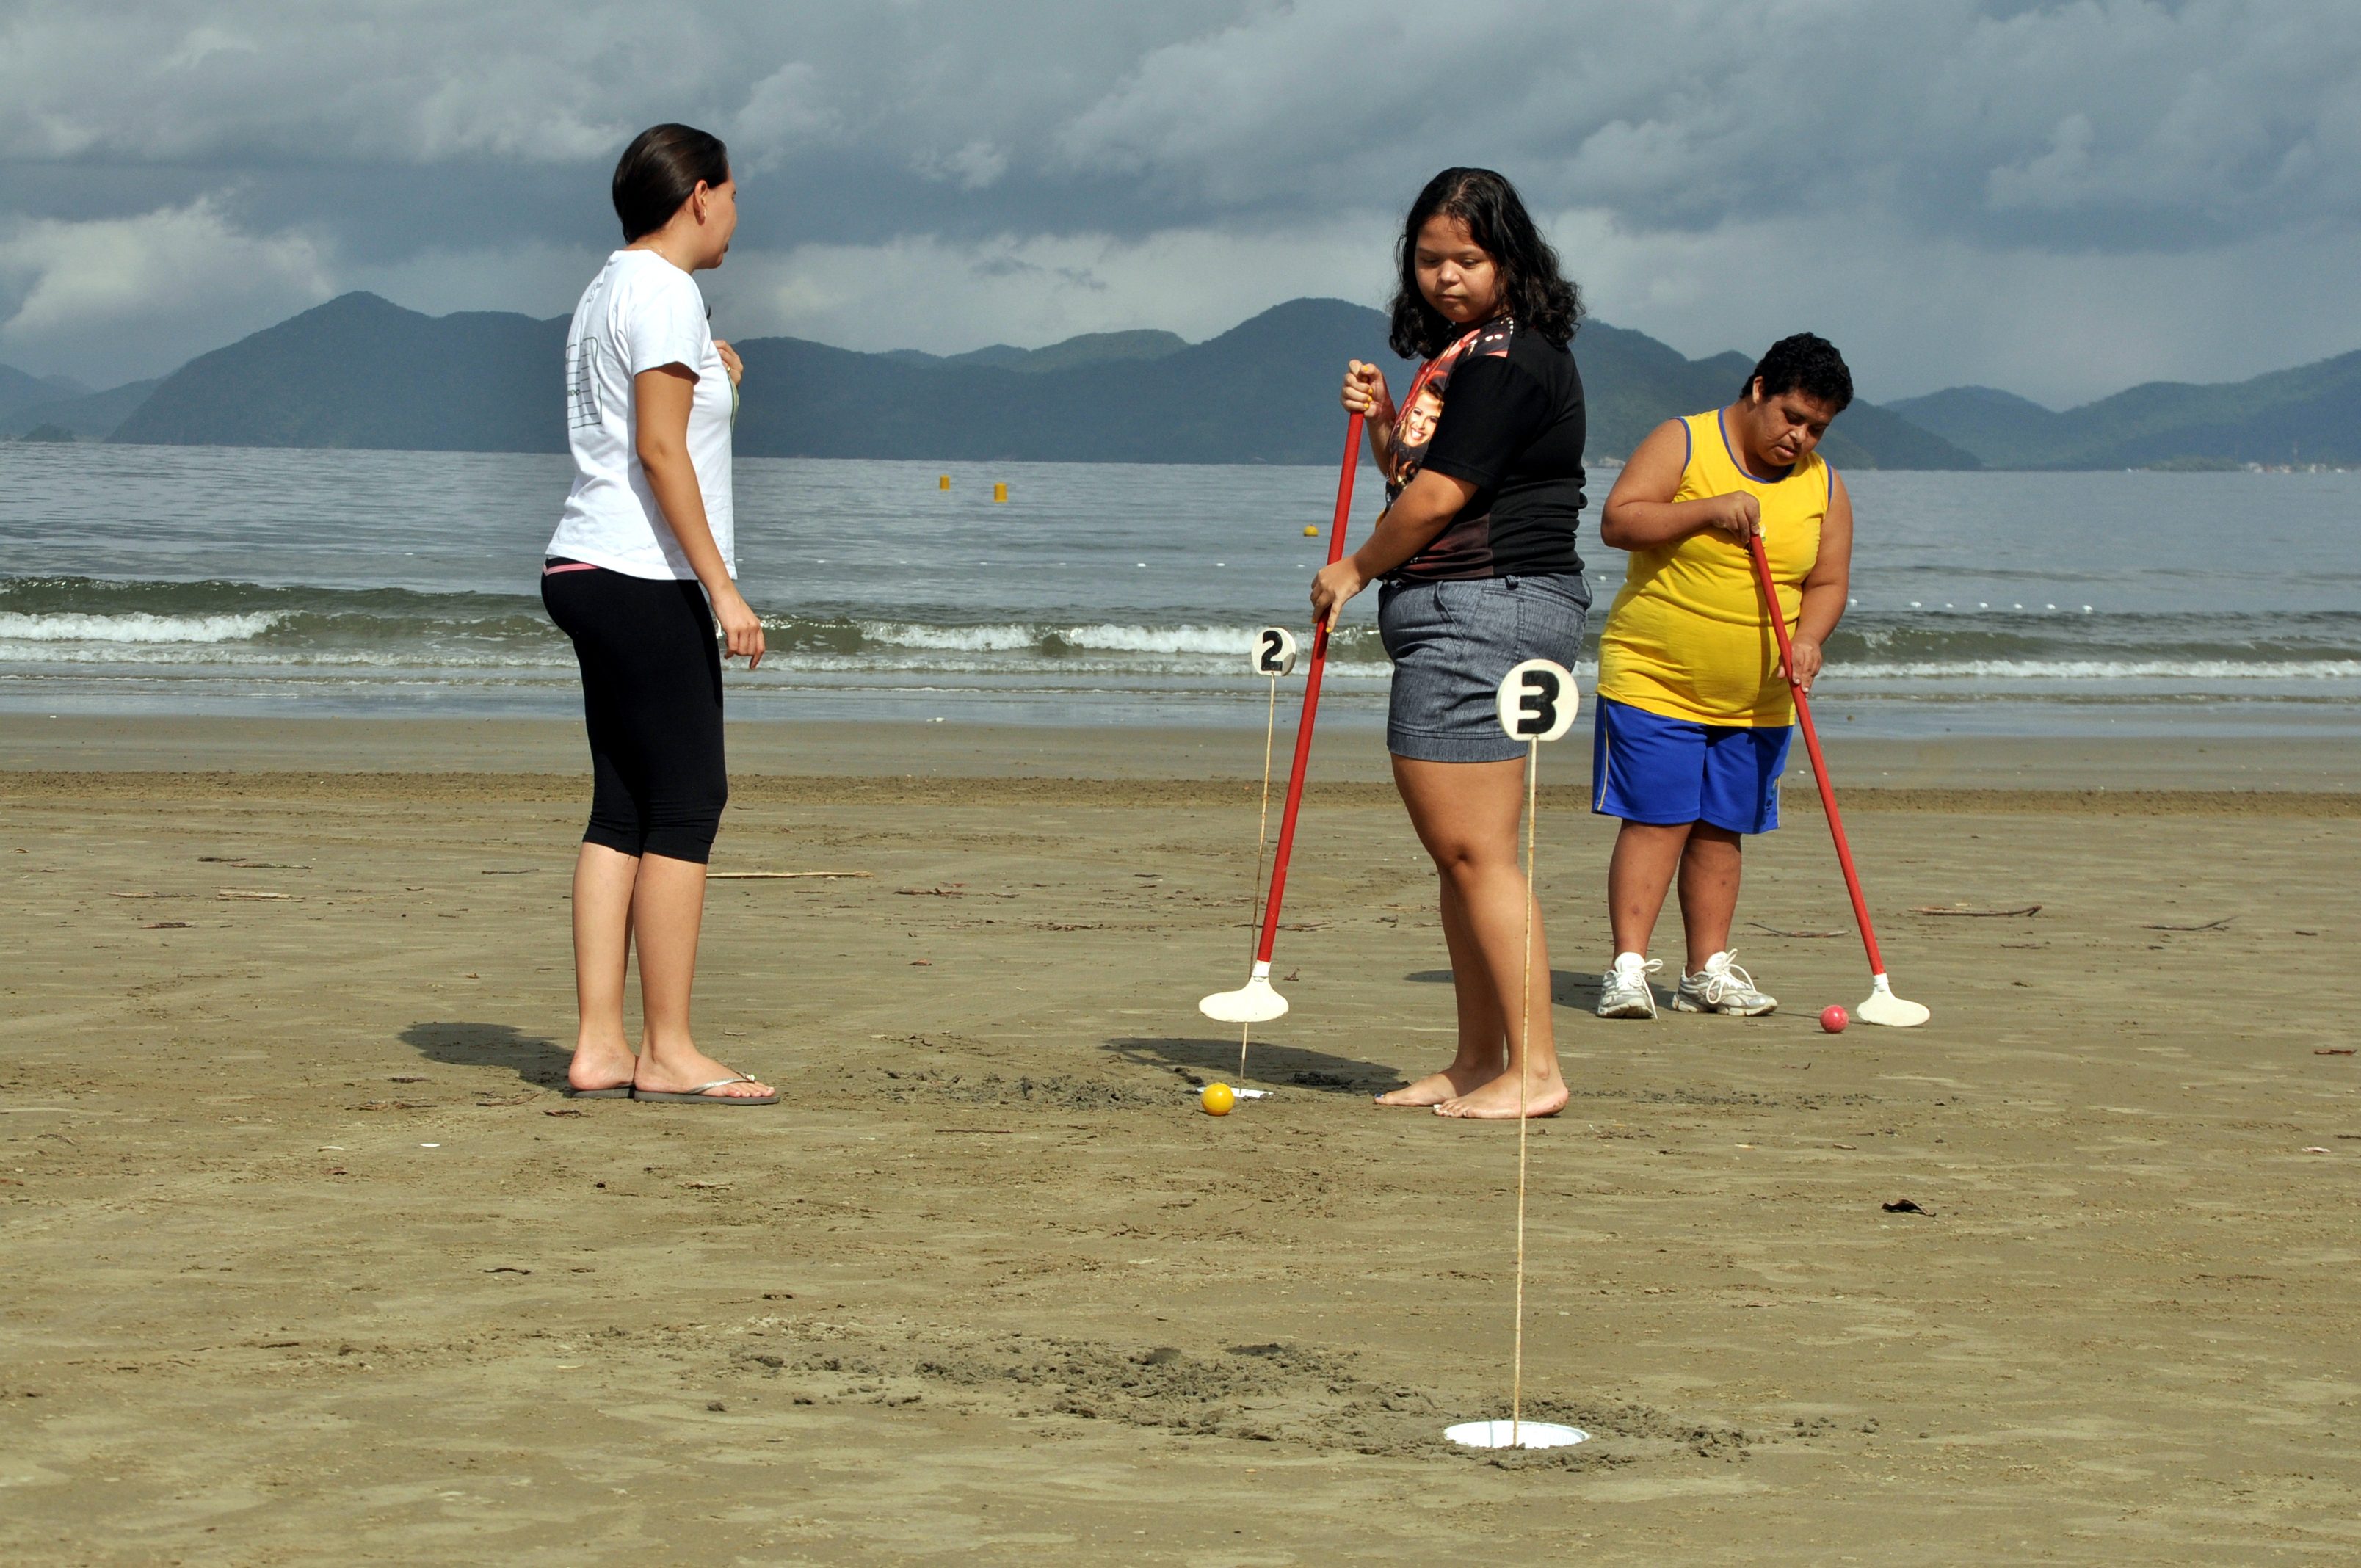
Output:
(1023, 1091)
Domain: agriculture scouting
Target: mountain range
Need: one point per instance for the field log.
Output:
(82, 413)
(359, 371)
(25, 398)
(2303, 415)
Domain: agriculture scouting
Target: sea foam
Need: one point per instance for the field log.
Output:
(136, 627)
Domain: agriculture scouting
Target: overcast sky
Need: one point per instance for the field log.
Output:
(2056, 199)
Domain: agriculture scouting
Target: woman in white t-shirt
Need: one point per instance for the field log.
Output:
(641, 566)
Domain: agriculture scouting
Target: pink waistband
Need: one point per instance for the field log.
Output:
(569, 566)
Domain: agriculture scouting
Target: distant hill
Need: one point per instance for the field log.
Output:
(92, 417)
(1635, 383)
(1265, 391)
(20, 389)
(1996, 426)
(1091, 347)
(361, 372)
(2303, 415)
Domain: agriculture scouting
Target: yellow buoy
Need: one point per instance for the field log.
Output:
(1311, 531)
(1217, 1099)
(944, 483)
(1000, 492)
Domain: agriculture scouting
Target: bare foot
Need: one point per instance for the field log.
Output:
(1437, 1087)
(602, 1066)
(1497, 1101)
(692, 1069)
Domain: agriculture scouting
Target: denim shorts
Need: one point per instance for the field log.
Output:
(1452, 644)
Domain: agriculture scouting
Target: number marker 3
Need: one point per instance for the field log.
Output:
(1538, 700)
(1274, 651)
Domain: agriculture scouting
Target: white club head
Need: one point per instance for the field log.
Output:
(1519, 1434)
(1884, 1007)
(1253, 1002)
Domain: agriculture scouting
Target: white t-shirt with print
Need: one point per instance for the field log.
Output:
(640, 312)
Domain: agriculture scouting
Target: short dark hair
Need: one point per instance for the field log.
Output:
(1806, 364)
(1532, 288)
(660, 170)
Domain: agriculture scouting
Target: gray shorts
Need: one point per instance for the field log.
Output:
(1452, 642)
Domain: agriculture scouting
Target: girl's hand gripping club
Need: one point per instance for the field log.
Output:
(1256, 1001)
(1883, 1006)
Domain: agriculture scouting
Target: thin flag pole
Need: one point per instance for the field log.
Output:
(1525, 1078)
(1262, 842)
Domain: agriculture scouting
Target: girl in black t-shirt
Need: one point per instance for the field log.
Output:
(1483, 464)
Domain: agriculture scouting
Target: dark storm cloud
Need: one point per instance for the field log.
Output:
(280, 151)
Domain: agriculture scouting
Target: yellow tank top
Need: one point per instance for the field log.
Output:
(1686, 638)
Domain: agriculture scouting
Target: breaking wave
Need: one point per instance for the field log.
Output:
(89, 624)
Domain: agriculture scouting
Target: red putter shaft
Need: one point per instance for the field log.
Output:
(1311, 703)
(1812, 743)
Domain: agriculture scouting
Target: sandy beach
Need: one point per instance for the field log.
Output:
(308, 1261)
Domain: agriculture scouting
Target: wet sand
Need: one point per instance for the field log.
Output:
(308, 1261)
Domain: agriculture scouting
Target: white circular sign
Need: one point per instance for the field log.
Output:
(1538, 701)
(1274, 651)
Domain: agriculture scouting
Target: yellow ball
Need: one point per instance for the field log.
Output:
(1311, 531)
(1217, 1099)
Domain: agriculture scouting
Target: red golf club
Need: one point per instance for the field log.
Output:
(1256, 1001)
(1883, 1006)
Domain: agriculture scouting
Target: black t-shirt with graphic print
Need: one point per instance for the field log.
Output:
(1502, 410)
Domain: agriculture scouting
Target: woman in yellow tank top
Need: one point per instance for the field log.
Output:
(1693, 714)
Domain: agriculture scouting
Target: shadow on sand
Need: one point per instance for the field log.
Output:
(1210, 1058)
(1566, 989)
(534, 1058)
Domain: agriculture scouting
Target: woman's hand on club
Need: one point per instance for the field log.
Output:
(1337, 582)
(1738, 515)
(1806, 667)
(731, 362)
(1366, 392)
(741, 627)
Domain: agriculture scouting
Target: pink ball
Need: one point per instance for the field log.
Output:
(1834, 1019)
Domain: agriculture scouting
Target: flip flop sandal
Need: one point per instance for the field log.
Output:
(700, 1095)
(620, 1092)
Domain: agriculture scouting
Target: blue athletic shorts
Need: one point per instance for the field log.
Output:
(1647, 768)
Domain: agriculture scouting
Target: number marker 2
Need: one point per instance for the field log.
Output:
(1274, 651)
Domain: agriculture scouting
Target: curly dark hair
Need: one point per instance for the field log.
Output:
(1805, 363)
(1532, 288)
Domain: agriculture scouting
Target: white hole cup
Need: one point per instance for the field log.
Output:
(1515, 1434)
(1538, 701)
(1274, 651)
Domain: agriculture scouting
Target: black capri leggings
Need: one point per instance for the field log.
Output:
(652, 698)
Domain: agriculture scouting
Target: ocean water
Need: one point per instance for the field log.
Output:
(232, 580)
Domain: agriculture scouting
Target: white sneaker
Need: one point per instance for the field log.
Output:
(1723, 987)
(1623, 991)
